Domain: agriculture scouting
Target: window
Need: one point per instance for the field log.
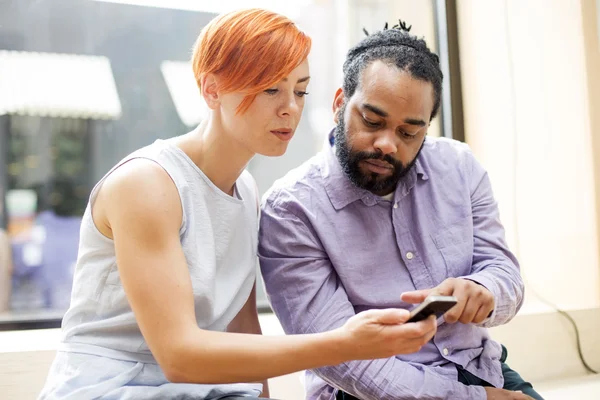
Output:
(104, 93)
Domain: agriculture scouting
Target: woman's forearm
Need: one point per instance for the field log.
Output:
(217, 357)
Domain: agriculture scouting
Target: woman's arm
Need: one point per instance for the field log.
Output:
(139, 207)
(246, 321)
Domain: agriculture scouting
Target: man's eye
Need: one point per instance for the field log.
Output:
(370, 124)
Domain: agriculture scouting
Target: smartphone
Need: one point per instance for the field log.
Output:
(433, 305)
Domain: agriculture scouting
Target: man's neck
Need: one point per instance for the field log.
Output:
(388, 196)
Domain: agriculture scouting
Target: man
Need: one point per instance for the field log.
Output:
(386, 211)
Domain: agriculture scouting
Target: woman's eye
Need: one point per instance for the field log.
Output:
(271, 91)
(301, 93)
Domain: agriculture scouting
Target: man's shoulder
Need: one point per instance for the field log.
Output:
(443, 154)
(296, 183)
(447, 147)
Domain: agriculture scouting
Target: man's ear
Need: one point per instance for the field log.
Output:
(338, 102)
(209, 91)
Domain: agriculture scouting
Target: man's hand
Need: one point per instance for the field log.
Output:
(503, 394)
(475, 302)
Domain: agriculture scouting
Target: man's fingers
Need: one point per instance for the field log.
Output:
(445, 288)
(416, 296)
(455, 312)
(482, 314)
(524, 396)
(469, 312)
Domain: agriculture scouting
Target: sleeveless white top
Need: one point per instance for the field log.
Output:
(219, 238)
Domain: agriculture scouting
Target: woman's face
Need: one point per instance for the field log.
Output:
(268, 125)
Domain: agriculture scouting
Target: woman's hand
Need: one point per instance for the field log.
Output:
(383, 333)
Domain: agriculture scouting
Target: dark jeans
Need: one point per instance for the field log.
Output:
(512, 381)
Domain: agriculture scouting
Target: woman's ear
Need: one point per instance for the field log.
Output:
(209, 91)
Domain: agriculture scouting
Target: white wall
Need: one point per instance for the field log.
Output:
(527, 119)
(598, 19)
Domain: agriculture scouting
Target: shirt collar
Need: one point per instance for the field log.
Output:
(342, 191)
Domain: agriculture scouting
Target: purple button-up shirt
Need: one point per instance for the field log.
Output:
(329, 250)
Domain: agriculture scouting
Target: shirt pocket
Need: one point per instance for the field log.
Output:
(455, 243)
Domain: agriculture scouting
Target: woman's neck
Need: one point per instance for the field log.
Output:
(218, 155)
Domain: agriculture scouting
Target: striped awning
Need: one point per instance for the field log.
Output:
(57, 85)
(184, 91)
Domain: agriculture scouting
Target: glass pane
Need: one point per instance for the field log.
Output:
(92, 81)
(48, 178)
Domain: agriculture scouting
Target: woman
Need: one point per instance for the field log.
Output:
(164, 298)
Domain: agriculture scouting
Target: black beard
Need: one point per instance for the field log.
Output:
(349, 160)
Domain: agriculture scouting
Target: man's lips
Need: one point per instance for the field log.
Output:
(378, 166)
(380, 163)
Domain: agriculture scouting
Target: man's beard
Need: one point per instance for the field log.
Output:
(350, 162)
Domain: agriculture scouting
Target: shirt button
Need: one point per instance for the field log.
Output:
(410, 255)
(395, 205)
(445, 351)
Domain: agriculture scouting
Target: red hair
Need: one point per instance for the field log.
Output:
(250, 50)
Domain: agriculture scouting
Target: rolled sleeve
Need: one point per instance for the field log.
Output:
(494, 265)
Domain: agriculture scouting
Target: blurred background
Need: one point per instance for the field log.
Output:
(85, 82)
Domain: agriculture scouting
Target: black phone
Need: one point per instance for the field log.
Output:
(433, 305)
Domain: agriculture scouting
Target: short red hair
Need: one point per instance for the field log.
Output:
(251, 50)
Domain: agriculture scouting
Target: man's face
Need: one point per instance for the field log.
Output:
(381, 128)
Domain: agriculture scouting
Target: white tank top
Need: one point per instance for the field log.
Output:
(219, 239)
